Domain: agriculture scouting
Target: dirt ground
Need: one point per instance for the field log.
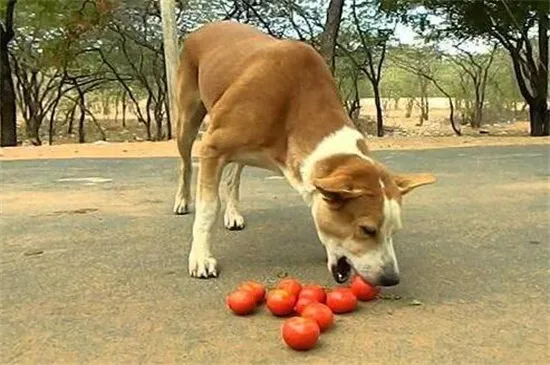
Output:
(168, 148)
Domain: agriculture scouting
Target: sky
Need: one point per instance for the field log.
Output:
(406, 35)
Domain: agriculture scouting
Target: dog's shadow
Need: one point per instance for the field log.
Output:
(276, 234)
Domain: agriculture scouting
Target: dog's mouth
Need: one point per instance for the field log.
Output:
(341, 271)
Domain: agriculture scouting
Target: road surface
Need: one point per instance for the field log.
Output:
(94, 266)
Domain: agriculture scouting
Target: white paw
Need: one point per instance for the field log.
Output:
(233, 220)
(181, 206)
(202, 265)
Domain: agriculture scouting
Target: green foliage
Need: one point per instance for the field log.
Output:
(107, 46)
(467, 18)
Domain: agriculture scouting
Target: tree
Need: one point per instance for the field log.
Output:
(435, 58)
(170, 57)
(398, 83)
(132, 53)
(508, 22)
(423, 62)
(8, 113)
(48, 52)
(365, 41)
(330, 32)
(476, 67)
(503, 95)
(348, 84)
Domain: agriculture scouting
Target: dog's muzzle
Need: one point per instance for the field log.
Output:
(341, 270)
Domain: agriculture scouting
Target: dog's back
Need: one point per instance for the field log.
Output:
(219, 52)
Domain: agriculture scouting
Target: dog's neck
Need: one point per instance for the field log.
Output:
(344, 141)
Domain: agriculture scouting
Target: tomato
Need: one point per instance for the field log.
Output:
(339, 288)
(280, 302)
(363, 290)
(290, 285)
(300, 333)
(314, 291)
(302, 303)
(320, 313)
(341, 300)
(256, 288)
(241, 302)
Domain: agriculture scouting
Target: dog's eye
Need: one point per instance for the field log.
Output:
(369, 230)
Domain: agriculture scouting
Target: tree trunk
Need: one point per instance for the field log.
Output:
(379, 115)
(158, 120)
(7, 104)
(168, 121)
(451, 116)
(478, 115)
(33, 129)
(170, 41)
(409, 107)
(538, 111)
(51, 127)
(116, 108)
(539, 115)
(147, 122)
(330, 32)
(424, 106)
(58, 97)
(536, 76)
(70, 118)
(124, 106)
(82, 106)
(426, 110)
(385, 105)
(354, 106)
(105, 105)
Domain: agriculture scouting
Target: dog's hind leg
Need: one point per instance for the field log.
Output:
(231, 180)
(191, 112)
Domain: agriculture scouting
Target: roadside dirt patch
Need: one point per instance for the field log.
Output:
(169, 149)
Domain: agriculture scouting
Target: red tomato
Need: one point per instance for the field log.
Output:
(241, 302)
(256, 288)
(314, 291)
(302, 303)
(280, 302)
(290, 285)
(363, 290)
(341, 300)
(339, 288)
(320, 313)
(300, 333)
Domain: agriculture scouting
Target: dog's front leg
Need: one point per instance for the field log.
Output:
(201, 262)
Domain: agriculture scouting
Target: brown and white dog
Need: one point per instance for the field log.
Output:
(274, 104)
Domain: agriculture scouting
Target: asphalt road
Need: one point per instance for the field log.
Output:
(93, 266)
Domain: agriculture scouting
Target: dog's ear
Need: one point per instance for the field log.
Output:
(337, 188)
(407, 182)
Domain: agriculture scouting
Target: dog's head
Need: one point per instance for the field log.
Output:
(356, 208)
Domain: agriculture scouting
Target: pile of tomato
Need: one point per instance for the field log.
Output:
(311, 307)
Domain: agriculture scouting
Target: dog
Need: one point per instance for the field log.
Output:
(274, 104)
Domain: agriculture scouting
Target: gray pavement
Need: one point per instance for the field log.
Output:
(93, 266)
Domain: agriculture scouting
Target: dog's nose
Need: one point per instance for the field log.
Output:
(389, 279)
